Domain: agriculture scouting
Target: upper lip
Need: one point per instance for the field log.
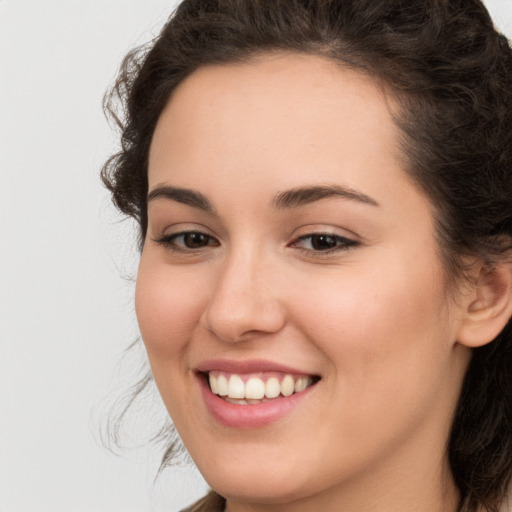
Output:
(247, 366)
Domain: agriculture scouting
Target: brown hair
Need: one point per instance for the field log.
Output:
(452, 74)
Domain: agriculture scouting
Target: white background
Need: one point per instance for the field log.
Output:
(65, 313)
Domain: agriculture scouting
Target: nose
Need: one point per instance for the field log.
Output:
(245, 301)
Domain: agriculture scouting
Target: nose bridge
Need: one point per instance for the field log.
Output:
(245, 299)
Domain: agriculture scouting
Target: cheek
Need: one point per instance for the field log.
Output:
(168, 305)
(353, 307)
(388, 349)
(380, 330)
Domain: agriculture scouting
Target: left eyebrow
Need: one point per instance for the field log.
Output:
(305, 195)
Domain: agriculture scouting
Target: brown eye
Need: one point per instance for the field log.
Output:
(323, 243)
(194, 240)
(187, 241)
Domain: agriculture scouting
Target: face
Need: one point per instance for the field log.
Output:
(288, 252)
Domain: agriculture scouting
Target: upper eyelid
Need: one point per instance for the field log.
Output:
(183, 227)
(346, 239)
(319, 229)
(186, 232)
(326, 233)
(169, 242)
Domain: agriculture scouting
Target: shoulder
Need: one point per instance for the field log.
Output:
(212, 502)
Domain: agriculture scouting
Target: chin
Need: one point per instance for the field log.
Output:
(258, 487)
(259, 479)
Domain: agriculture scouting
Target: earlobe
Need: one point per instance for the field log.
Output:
(489, 305)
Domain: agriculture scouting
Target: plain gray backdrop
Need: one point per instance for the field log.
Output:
(66, 314)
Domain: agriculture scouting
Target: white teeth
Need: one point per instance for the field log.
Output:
(222, 385)
(236, 387)
(302, 383)
(237, 401)
(254, 388)
(213, 383)
(287, 385)
(272, 388)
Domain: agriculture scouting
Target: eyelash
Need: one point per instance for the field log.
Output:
(340, 243)
(169, 241)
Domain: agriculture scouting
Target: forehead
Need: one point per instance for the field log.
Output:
(286, 118)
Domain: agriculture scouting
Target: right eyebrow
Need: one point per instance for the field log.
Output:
(181, 195)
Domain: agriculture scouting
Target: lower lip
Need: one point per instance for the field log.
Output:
(249, 416)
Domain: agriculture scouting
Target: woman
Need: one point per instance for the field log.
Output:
(323, 190)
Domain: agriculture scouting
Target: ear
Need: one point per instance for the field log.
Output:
(488, 306)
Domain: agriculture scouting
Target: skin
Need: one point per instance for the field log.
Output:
(374, 320)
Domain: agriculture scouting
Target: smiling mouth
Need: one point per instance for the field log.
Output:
(259, 388)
